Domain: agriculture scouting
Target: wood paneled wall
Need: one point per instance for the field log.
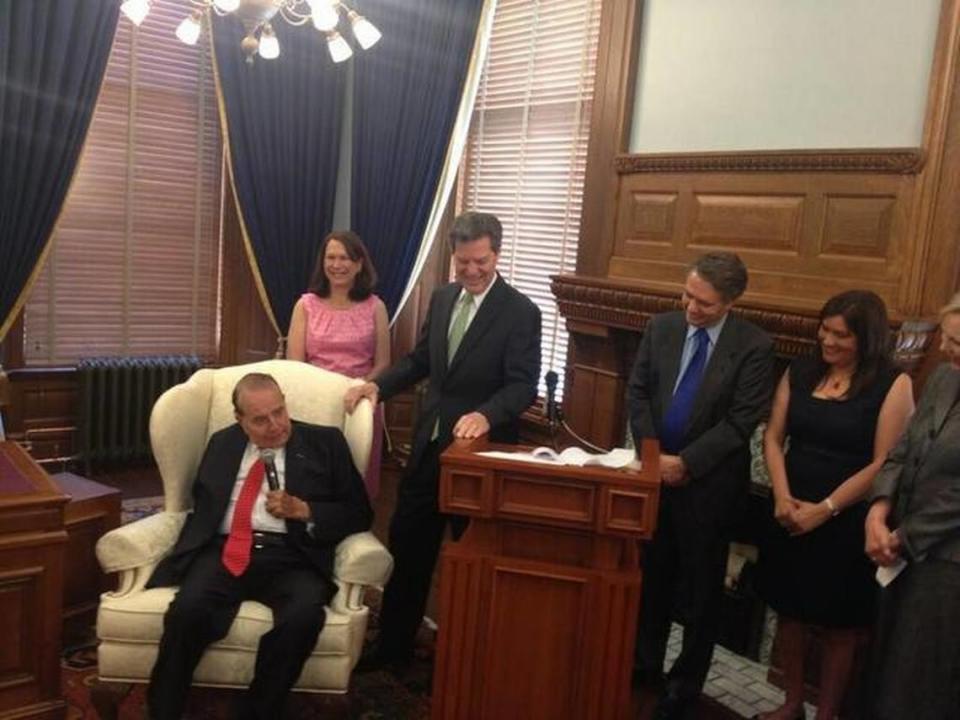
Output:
(807, 223)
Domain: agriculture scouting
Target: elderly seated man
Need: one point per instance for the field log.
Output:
(246, 540)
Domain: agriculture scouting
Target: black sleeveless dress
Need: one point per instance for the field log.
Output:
(824, 577)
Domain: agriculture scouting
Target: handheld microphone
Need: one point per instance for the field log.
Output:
(553, 416)
(268, 455)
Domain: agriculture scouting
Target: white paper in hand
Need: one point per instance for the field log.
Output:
(886, 575)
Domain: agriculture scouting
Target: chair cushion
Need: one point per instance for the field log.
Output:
(138, 618)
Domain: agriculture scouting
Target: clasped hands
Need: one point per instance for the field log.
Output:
(883, 546)
(798, 517)
(469, 426)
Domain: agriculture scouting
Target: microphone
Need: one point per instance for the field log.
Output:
(553, 412)
(268, 455)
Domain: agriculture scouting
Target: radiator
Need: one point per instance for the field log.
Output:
(116, 397)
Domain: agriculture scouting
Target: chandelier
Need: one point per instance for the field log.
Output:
(256, 16)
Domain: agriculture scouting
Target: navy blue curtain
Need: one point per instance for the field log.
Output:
(283, 121)
(53, 54)
(407, 91)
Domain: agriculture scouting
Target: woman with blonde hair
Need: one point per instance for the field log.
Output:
(913, 533)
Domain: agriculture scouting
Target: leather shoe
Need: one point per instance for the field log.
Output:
(375, 660)
(675, 705)
(643, 678)
(672, 706)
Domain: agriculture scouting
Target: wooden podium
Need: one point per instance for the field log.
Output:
(32, 541)
(539, 598)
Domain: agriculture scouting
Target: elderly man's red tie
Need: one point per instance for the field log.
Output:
(236, 551)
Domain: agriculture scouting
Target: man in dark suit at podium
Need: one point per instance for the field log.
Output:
(480, 351)
(701, 382)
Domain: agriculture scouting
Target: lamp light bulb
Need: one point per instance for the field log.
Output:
(339, 48)
(188, 31)
(269, 45)
(226, 5)
(325, 15)
(364, 31)
(136, 10)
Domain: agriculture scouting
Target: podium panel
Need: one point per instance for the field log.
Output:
(539, 598)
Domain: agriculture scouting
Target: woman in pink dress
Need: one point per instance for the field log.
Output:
(340, 325)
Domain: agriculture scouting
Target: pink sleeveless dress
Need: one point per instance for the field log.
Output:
(344, 340)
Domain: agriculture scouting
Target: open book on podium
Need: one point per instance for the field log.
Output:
(615, 459)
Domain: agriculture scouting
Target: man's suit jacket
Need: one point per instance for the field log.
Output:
(495, 370)
(318, 469)
(921, 475)
(733, 397)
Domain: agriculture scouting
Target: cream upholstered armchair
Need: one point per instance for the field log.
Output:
(130, 619)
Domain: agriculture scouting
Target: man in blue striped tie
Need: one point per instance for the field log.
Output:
(701, 382)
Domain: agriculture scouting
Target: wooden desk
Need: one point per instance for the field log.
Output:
(32, 541)
(539, 598)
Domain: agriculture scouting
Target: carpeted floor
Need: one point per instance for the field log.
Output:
(376, 696)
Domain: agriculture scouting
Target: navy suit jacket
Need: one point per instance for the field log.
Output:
(318, 469)
(733, 397)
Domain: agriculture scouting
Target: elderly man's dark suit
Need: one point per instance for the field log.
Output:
(495, 372)
(921, 478)
(294, 580)
(684, 565)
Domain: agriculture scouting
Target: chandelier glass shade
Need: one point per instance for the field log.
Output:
(257, 15)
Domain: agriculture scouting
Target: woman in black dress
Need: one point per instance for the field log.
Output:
(842, 411)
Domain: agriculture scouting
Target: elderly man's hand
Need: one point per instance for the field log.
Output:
(287, 507)
(354, 395)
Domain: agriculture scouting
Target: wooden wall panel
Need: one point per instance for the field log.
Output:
(746, 222)
(804, 235)
(857, 226)
(43, 412)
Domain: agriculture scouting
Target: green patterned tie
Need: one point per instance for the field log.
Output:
(459, 327)
(457, 331)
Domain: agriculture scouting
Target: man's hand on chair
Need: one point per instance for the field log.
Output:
(354, 395)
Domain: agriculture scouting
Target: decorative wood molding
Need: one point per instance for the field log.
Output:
(898, 161)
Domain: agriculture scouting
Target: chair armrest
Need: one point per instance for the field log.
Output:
(361, 559)
(140, 543)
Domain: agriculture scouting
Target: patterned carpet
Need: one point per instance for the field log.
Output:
(377, 696)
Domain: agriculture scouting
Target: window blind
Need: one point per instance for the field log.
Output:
(134, 261)
(527, 150)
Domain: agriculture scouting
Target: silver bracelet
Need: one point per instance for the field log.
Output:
(834, 510)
